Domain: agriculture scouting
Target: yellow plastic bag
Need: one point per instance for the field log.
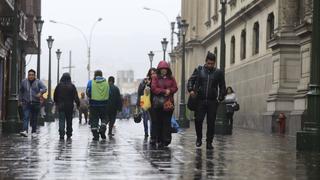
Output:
(145, 102)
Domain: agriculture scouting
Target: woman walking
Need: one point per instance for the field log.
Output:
(65, 95)
(145, 85)
(231, 101)
(163, 87)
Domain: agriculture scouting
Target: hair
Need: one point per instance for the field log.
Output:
(97, 73)
(230, 89)
(32, 70)
(111, 79)
(83, 93)
(149, 72)
(211, 56)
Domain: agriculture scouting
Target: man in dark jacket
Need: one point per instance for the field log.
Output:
(65, 95)
(115, 104)
(31, 89)
(203, 84)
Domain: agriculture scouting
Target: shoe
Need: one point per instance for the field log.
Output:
(95, 138)
(146, 135)
(110, 134)
(33, 135)
(103, 135)
(68, 137)
(152, 142)
(24, 133)
(209, 146)
(198, 143)
(79, 121)
(95, 134)
(61, 138)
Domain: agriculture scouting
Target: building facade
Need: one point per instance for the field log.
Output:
(267, 56)
(18, 38)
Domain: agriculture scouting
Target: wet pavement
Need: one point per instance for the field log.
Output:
(244, 155)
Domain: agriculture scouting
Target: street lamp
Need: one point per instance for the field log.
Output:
(164, 43)
(182, 114)
(39, 24)
(151, 55)
(58, 52)
(49, 116)
(88, 41)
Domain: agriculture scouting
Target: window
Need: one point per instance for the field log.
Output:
(232, 50)
(209, 10)
(215, 11)
(243, 44)
(270, 26)
(255, 38)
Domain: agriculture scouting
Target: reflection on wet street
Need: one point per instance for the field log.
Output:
(244, 155)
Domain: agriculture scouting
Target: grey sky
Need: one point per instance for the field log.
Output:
(120, 41)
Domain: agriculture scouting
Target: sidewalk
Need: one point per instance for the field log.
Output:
(244, 155)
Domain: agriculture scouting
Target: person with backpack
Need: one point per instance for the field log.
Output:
(31, 89)
(98, 92)
(203, 85)
(65, 95)
(84, 108)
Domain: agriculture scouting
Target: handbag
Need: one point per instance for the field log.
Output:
(168, 105)
(236, 106)
(192, 103)
(158, 101)
(137, 116)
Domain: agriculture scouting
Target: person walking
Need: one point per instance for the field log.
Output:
(31, 89)
(114, 104)
(231, 101)
(203, 84)
(98, 94)
(147, 115)
(83, 109)
(163, 87)
(65, 95)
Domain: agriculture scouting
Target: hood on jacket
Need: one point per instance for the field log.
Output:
(100, 79)
(164, 65)
(66, 78)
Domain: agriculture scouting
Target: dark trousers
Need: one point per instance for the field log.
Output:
(112, 115)
(30, 114)
(206, 108)
(162, 126)
(98, 113)
(65, 117)
(152, 119)
(85, 113)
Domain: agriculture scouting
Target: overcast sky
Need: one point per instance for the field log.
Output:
(121, 41)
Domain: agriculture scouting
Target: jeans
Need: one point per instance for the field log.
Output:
(146, 118)
(30, 113)
(209, 108)
(65, 117)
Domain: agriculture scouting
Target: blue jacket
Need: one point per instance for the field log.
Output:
(28, 92)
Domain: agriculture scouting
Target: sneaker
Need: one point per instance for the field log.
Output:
(24, 133)
(33, 135)
(146, 135)
(68, 137)
(96, 138)
(61, 137)
(209, 146)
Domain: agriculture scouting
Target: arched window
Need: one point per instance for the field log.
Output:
(256, 41)
(243, 44)
(233, 50)
(270, 26)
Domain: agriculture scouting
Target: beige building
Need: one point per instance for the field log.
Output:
(267, 55)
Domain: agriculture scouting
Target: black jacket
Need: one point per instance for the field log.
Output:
(205, 83)
(114, 102)
(66, 94)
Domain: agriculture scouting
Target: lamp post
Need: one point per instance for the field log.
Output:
(308, 139)
(58, 52)
(164, 44)
(39, 24)
(151, 55)
(221, 124)
(49, 116)
(88, 41)
(184, 123)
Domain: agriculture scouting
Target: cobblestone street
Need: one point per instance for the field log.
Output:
(244, 155)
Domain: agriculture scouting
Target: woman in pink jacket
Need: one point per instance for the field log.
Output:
(163, 87)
